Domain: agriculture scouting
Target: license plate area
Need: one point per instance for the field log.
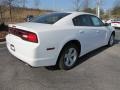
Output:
(12, 47)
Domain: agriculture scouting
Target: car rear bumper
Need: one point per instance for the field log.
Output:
(31, 54)
(115, 25)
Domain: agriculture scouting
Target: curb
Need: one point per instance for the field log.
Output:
(2, 44)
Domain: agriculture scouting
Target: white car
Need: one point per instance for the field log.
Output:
(58, 38)
(109, 21)
(116, 23)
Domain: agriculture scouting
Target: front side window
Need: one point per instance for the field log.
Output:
(49, 18)
(96, 21)
(82, 20)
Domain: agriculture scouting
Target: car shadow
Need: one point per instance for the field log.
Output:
(81, 59)
(93, 53)
(117, 41)
(85, 57)
(90, 55)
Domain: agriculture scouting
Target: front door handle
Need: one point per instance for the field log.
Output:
(97, 31)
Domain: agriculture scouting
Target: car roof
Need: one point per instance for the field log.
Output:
(68, 19)
(75, 13)
(78, 12)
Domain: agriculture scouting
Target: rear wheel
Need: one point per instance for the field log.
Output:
(68, 57)
(111, 40)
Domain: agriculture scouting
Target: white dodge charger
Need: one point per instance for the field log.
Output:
(116, 23)
(58, 38)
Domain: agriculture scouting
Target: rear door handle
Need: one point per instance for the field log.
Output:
(81, 31)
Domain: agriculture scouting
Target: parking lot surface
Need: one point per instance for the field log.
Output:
(98, 70)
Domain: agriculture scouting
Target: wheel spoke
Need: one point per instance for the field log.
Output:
(71, 61)
(71, 51)
(66, 56)
(67, 61)
(70, 57)
(111, 40)
(73, 54)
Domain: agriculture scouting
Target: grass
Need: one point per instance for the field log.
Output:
(19, 14)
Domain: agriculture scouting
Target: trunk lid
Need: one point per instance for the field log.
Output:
(32, 27)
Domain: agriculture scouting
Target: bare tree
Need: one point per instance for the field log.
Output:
(37, 3)
(77, 5)
(2, 9)
(99, 10)
(117, 3)
(86, 4)
(11, 4)
(116, 8)
(23, 2)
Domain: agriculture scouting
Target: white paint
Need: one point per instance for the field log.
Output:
(56, 35)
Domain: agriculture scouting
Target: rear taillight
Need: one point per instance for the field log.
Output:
(28, 36)
(116, 22)
(25, 35)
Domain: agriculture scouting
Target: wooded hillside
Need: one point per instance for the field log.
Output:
(18, 14)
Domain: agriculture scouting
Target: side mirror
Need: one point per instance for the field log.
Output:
(107, 24)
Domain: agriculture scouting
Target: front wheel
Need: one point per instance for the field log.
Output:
(111, 40)
(68, 57)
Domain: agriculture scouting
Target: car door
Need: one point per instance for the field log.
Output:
(87, 34)
(100, 29)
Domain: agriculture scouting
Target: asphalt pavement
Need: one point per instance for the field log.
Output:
(98, 70)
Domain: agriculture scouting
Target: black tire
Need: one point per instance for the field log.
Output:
(111, 40)
(61, 59)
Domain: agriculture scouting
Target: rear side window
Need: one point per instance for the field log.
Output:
(82, 20)
(49, 18)
(96, 21)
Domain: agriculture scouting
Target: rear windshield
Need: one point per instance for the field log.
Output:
(49, 18)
